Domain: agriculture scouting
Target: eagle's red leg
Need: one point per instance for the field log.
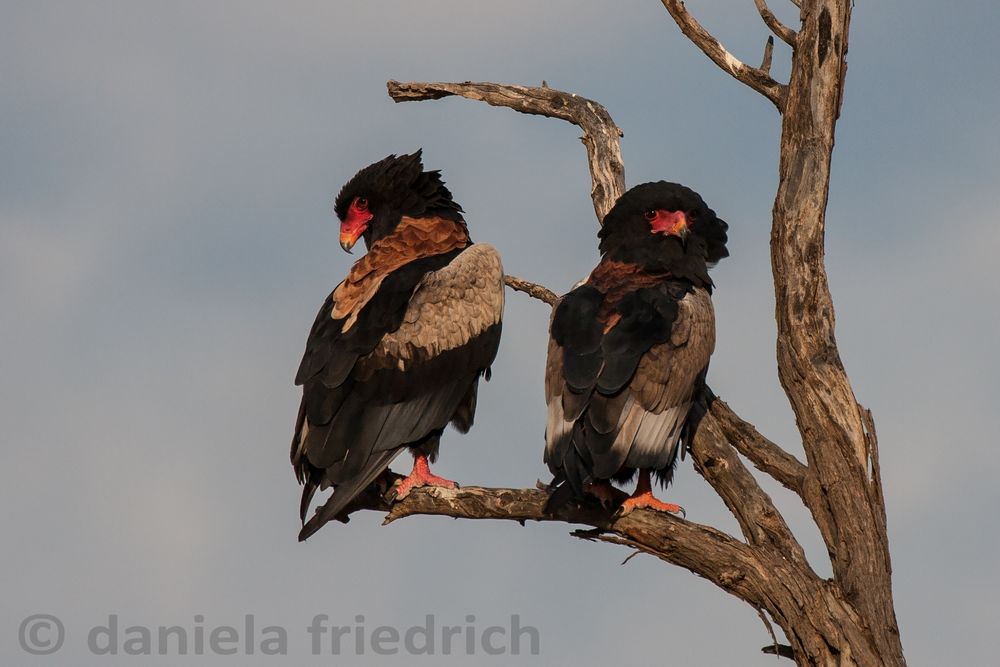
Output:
(643, 497)
(421, 476)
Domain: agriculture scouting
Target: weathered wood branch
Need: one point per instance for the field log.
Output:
(600, 134)
(841, 485)
(762, 452)
(783, 32)
(842, 488)
(810, 611)
(751, 76)
(533, 290)
(704, 550)
(765, 63)
(716, 460)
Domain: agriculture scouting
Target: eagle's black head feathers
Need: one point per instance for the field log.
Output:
(665, 227)
(377, 197)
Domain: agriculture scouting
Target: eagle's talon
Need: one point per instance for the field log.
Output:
(419, 477)
(643, 498)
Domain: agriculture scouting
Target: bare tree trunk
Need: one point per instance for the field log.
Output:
(844, 492)
(846, 620)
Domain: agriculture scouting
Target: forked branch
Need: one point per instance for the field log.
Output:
(762, 452)
(716, 460)
(756, 78)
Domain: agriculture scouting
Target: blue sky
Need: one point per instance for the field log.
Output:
(166, 235)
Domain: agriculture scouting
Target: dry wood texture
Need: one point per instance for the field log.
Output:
(847, 620)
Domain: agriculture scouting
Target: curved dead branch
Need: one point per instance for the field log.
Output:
(600, 134)
(783, 32)
(756, 78)
(533, 290)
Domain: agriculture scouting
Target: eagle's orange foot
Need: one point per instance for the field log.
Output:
(604, 492)
(647, 501)
(421, 476)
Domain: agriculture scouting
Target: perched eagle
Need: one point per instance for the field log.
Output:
(398, 348)
(629, 346)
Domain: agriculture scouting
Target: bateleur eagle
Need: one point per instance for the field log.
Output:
(629, 346)
(398, 348)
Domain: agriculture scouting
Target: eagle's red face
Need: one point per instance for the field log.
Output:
(672, 223)
(354, 223)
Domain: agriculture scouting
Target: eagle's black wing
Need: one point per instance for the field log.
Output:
(619, 390)
(406, 366)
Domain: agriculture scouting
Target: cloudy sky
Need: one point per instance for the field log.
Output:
(166, 177)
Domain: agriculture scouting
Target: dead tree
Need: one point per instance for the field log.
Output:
(846, 620)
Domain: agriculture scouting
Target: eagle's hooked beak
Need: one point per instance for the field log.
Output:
(674, 223)
(352, 228)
